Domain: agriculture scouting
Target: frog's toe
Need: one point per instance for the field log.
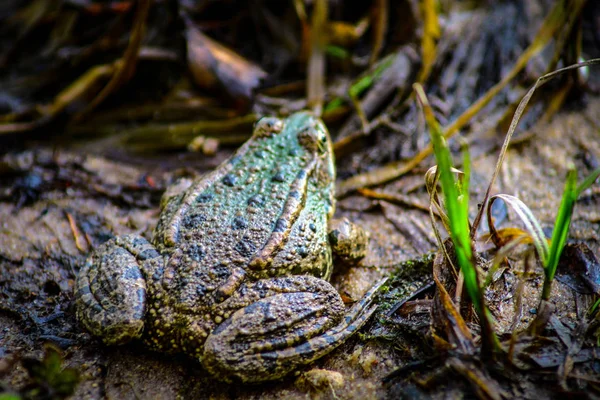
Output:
(348, 241)
(111, 289)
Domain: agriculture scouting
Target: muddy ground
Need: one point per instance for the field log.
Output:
(45, 240)
(60, 199)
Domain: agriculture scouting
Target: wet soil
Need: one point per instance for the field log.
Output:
(46, 233)
(63, 193)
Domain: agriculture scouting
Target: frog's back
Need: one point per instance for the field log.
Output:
(266, 206)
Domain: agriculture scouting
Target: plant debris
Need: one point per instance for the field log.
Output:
(104, 105)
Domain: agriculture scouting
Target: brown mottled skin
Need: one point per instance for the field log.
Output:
(236, 272)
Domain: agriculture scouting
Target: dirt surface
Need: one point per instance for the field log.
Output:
(77, 176)
(46, 236)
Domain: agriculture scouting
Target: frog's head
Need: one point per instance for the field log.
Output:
(309, 132)
(302, 142)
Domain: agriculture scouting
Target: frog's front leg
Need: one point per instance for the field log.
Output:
(278, 325)
(111, 288)
(348, 241)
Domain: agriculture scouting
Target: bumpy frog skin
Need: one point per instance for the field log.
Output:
(236, 274)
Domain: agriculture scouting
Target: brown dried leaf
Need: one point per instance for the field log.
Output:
(215, 66)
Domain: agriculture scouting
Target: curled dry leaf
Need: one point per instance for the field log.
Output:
(215, 66)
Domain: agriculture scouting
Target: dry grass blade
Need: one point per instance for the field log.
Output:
(445, 314)
(484, 386)
(431, 33)
(75, 91)
(526, 216)
(316, 63)
(179, 135)
(503, 252)
(553, 22)
(431, 184)
(518, 308)
(125, 67)
(513, 126)
(29, 18)
(379, 14)
(393, 198)
(119, 71)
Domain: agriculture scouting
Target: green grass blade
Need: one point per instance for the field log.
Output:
(563, 222)
(587, 182)
(561, 230)
(456, 208)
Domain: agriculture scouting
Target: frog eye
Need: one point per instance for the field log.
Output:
(268, 126)
(313, 139)
(322, 140)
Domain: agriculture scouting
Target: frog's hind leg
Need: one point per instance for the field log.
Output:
(111, 289)
(290, 322)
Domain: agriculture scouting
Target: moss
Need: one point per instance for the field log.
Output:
(408, 277)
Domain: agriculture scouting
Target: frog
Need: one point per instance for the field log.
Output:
(236, 274)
